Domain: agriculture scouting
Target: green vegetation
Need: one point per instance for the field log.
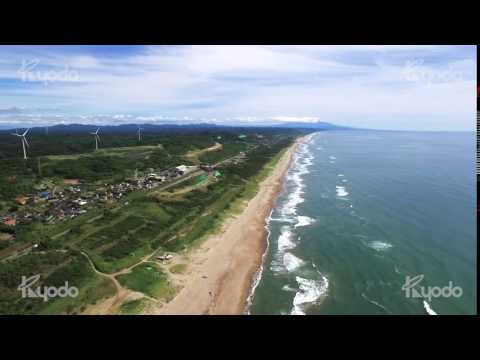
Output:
(119, 235)
(228, 150)
(133, 307)
(149, 279)
(55, 268)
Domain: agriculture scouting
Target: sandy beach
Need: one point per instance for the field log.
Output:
(221, 271)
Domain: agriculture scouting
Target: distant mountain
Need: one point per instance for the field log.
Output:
(128, 128)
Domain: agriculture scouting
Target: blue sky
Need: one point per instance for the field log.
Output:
(411, 87)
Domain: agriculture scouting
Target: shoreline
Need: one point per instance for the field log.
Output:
(223, 271)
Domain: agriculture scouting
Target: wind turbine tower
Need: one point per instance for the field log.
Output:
(24, 142)
(97, 138)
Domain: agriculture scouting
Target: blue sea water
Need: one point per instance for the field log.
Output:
(362, 210)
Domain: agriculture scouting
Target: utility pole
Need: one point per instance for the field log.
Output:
(39, 167)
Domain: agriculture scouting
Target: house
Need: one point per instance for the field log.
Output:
(71, 181)
(156, 177)
(21, 200)
(165, 257)
(44, 194)
(10, 222)
(182, 168)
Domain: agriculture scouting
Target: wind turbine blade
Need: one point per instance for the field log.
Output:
(26, 131)
(25, 139)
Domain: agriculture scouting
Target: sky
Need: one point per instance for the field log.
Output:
(395, 87)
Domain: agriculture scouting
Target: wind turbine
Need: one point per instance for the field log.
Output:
(97, 138)
(24, 142)
(139, 132)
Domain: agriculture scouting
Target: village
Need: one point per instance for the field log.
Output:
(52, 205)
(49, 205)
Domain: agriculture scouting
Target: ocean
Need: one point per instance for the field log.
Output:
(360, 211)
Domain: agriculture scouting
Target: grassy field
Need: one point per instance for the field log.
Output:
(227, 150)
(149, 279)
(134, 307)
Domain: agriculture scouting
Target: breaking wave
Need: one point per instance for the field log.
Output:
(292, 262)
(341, 192)
(304, 221)
(309, 292)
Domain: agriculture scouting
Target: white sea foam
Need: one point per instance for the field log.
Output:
(428, 309)
(285, 240)
(291, 262)
(310, 291)
(294, 181)
(379, 245)
(287, 211)
(332, 157)
(344, 180)
(304, 221)
(341, 191)
(283, 219)
(259, 273)
(341, 175)
(288, 288)
(295, 198)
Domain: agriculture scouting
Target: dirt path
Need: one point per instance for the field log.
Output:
(195, 154)
(112, 305)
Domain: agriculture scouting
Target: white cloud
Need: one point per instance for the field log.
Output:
(352, 85)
